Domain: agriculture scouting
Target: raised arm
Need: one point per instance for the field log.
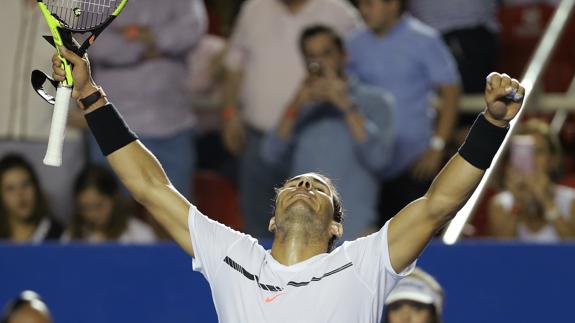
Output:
(136, 166)
(414, 226)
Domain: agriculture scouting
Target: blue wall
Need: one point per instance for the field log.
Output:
(485, 282)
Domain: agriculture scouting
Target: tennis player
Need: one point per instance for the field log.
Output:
(301, 279)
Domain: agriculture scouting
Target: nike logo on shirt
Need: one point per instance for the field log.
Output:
(271, 299)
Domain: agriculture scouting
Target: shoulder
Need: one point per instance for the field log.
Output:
(564, 197)
(565, 191)
(360, 35)
(419, 29)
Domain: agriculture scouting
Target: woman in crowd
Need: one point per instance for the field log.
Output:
(101, 213)
(533, 208)
(418, 298)
(24, 212)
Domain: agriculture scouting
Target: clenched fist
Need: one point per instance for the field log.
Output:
(503, 97)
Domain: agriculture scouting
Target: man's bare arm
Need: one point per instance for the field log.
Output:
(144, 177)
(136, 167)
(414, 226)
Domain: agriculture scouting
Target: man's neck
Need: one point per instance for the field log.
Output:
(293, 249)
(294, 6)
(384, 30)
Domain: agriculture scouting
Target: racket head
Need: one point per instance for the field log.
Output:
(80, 16)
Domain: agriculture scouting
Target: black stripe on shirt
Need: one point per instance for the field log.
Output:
(272, 288)
(250, 276)
(315, 279)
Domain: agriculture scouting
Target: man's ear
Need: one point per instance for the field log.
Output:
(272, 225)
(336, 229)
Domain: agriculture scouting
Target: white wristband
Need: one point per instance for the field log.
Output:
(437, 143)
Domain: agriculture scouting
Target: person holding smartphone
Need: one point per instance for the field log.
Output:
(330, 108)
(532, 207)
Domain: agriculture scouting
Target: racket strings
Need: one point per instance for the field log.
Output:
(82, 15)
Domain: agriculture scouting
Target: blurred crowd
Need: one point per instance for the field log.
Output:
(234, 97)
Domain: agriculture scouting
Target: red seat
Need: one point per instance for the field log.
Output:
(217, 197)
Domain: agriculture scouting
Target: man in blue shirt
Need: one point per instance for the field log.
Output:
(336, 126)
(398, 53)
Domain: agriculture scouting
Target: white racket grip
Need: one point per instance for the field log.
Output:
(53, 155)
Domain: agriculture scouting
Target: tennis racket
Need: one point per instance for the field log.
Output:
(65, 17)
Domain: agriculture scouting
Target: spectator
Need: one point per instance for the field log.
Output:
(27, 308)
(533, 208)
(469, 28)
(398, 53)
(25, 117)
(416, 299)
(100, 211)
(24, 212)
(141, 60)
(330, 108)
(205, 76)
(264, 70)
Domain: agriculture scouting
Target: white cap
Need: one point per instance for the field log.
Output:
(419, 287)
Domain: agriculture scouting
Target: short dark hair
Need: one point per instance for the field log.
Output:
(39, 211)
(402, 5)
(338, 213)
(314, 30)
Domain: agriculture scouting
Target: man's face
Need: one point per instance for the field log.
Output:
(322, 50)
(378, 15)
(307, 195)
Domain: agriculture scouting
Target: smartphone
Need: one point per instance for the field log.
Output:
(315, 68)
(522, 153)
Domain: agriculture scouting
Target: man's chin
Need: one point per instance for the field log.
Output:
(300, 206)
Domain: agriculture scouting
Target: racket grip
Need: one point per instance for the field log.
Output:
(53, 155)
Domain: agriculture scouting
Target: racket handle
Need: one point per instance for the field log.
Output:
(53, 155)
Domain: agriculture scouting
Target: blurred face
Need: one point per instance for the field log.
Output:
(379, 15)
(322, 50)
(18, 195)
(30, 314)
(306, 199)
(94, 207)
(409, 312)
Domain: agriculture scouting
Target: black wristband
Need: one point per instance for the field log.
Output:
(92, 98)
(109, 129)
(482, 142)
